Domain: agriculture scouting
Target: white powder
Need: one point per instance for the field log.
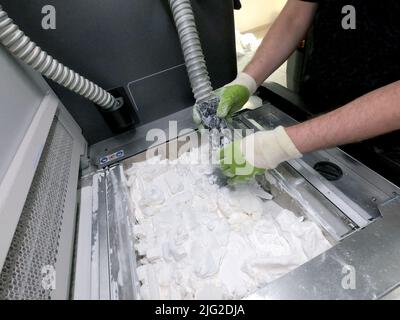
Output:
(198, 241)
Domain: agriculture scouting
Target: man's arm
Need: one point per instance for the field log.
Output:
(371, 115)
(375, 113)
(282, 39)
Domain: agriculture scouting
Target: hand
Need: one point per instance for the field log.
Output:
(234, 95)
(243, 159)
(234, 165)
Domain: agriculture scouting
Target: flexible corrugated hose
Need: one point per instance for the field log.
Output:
(21, 47)
(192, 51)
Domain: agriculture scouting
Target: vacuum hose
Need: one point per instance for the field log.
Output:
(191, 47)
(205, 109)
(21, 47)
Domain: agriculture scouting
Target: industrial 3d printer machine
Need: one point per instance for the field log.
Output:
(68, 139)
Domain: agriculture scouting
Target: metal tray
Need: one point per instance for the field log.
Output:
(359, 214)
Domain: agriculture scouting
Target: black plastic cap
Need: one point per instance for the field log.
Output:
(123, 118)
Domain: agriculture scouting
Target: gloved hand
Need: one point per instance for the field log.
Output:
(234, 165)
(243, 159)
(235, 95)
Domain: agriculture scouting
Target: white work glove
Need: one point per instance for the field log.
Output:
(242, 159)
(243, 79)
(267, 149)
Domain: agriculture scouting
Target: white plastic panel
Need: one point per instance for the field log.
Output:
(28, 108)
(20, 100)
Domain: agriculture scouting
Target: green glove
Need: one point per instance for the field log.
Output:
(263, 150)
(234, 165)
(235, 95)
(233, 98)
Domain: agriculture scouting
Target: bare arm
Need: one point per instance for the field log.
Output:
(371, 115)
(282, 39)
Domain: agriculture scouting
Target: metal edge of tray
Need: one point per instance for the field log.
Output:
(122, 262)
(105, 265)
(91, 274)
(100, 278)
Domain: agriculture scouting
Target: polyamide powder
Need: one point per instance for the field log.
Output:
(196, 240)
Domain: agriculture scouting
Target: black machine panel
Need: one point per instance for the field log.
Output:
(129, 44)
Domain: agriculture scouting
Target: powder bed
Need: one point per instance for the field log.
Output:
(196, 240)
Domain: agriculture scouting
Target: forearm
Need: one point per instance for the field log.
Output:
(371, 115)
(282, 39)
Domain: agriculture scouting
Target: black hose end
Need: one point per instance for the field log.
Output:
(120, 119)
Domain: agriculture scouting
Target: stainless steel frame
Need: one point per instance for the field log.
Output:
(105, 263)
